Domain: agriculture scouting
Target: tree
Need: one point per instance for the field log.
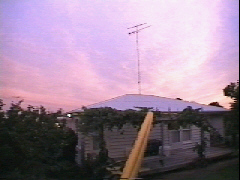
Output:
(178, 98)
(215, 104)
(232, 120)
(33, 144)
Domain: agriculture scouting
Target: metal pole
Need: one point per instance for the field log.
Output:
(138, 54)
(138, 58)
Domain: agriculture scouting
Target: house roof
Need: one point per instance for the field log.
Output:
(132, 101)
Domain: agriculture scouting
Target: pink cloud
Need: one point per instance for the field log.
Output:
(70, 53)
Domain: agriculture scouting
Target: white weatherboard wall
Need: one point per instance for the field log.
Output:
(196, 135)
(118, 142)
(217, 122)
(121, 141)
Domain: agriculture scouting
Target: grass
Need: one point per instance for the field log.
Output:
(230, 172)
(226, 173)
(223, 169)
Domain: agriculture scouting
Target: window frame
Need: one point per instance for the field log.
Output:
(190, 135)
(95, 143)
(181, 129)
(179, 136)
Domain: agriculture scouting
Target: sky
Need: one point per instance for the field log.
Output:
(72, 53)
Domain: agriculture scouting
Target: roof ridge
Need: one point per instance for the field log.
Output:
(106, 100)
(179, 100)
(174, 101)
(164, 97)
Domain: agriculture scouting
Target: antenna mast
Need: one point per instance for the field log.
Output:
(138, 56)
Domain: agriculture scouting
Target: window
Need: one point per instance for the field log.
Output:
(96, 142)
(175, 136)
(179, 133)
(152, 148)
(186, 135)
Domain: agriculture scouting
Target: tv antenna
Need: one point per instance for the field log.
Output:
(138, 56)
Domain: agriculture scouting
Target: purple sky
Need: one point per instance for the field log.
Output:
(69, 53)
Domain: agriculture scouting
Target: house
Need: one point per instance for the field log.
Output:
(119, 142)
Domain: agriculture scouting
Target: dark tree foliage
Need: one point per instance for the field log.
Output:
(215, 104)
(179, 98)
(33, 145)
(232, 120)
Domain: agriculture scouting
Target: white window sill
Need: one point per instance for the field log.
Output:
(95, 151)
(187, 142)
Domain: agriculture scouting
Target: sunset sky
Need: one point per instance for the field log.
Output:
(70, 53)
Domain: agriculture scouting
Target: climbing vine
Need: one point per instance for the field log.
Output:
(96, 120)
(190, 116)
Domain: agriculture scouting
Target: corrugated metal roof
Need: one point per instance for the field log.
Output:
(132, 101)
